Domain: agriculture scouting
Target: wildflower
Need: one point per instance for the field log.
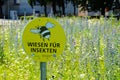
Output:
(82, 75)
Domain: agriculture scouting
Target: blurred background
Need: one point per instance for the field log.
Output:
(14, 8)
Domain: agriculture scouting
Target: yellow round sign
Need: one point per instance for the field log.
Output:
(43, 39)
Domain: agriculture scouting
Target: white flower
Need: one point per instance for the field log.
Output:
(82, 75)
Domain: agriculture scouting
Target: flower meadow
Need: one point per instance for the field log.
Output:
(92, 51)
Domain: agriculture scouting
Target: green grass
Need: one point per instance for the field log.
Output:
(92, 52)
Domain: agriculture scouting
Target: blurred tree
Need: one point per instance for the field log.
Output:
(61, 3)
(54, 3)
(83, 4)
(75, 4)
(1, 4)
(32, 2)
(117, 4)
(101, 5)
(63, 6)
(41, 2)
(97, 5)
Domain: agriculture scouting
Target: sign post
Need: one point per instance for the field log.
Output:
(43, 40)
(43, 70)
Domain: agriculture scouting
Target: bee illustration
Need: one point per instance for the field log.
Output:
(43, 30)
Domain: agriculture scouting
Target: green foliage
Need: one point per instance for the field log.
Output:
(92, 52)
(32, 2)
(26, 17)
(1, 54)
(1, 49)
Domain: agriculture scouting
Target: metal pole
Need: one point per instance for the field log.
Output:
(43, 70)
